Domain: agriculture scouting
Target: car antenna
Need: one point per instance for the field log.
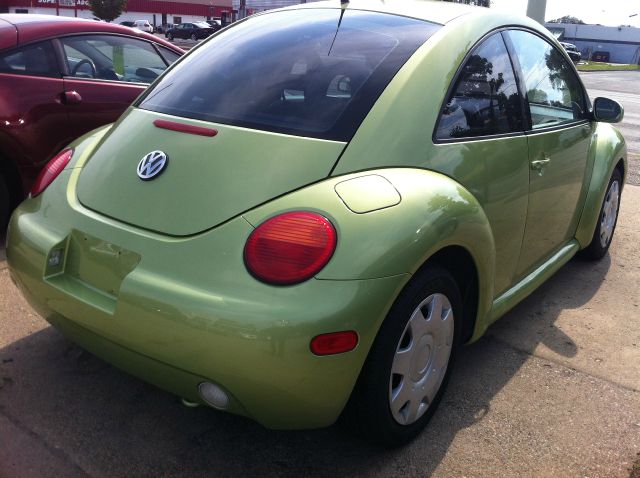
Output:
(343, 5)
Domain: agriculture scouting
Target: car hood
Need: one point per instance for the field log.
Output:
(207, 180)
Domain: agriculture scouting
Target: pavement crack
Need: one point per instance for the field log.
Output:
(57, 452)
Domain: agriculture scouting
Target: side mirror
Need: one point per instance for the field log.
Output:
(607, 110)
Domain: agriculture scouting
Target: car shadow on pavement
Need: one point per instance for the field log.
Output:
(108, 423)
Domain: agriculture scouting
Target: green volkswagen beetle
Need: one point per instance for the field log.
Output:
(310, 212)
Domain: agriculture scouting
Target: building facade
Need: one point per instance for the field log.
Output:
(597, 42)
(254, 6)
(158, 12)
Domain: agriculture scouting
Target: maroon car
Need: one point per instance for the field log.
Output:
(60, 78)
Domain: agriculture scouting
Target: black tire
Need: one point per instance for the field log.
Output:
(5, 204)
(194, 37)
(601, 241)
(370, 406)
(170, 36)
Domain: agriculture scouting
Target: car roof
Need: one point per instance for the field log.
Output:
(20, 28)
(429, 10)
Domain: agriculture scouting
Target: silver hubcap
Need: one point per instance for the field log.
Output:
(421, 359)
(609, 213)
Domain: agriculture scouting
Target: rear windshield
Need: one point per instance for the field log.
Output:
(308, 73)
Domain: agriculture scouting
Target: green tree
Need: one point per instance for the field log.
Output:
(107, 10)
(567, 19)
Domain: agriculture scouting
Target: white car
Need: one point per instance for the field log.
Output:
(143, 25)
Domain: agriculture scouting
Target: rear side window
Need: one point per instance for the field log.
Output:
(485, 100)
(309, 73)
(554, 93)
(34, 60)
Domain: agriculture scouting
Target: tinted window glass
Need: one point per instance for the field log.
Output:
(169, 55)
(35, 60)
(115, 58)
(485, 99)
(292, 72)
(553, 89)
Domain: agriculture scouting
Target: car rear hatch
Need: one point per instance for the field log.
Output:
(207, 180)
(285, 92)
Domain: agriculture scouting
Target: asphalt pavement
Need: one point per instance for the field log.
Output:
(621, 86)
(552, 390)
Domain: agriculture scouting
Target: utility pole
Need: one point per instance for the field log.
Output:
(536, 9)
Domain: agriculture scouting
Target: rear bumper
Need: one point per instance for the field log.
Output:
(176, 312)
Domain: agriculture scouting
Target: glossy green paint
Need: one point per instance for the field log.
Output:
(608, 150)
(555, 191)
(170, 300)
(435, 212)
(367, 193)
(224, 175)
(531, 282)
(495, 171)
(209, 322)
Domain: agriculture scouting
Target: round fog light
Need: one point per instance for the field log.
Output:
(214, 395)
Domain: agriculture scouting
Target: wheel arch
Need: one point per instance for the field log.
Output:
(610, 152)
(459, 262)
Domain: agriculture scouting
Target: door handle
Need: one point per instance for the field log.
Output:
(71, 97)
(539, 164)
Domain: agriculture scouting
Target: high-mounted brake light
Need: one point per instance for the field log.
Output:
(51, 171)
(290, 248)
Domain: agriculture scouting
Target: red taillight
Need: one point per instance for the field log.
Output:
(51, 171)
(334, 343)
(290, 248)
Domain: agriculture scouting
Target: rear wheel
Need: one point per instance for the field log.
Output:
(410, 361)
(170, 36)
(607, 220)
(193, 37)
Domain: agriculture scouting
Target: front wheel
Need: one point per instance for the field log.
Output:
(193, 37)
(607, 220)
(410, 361)
(170, 36)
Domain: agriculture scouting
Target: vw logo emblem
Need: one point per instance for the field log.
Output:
(152, 165)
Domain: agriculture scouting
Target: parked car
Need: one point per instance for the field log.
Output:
(60, 78)
(143, 25)
(572, 51)
(194, 31)
(167, 27)
(306, 216)
(215, 24)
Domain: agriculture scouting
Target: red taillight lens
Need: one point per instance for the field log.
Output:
(51, 171)
(334, 343)
(290, 248)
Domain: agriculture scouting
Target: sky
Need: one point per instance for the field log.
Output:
(604, 12)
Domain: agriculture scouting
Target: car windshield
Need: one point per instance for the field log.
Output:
(292, 72)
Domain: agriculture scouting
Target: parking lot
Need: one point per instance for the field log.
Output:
(553, 389)
(621, 86)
